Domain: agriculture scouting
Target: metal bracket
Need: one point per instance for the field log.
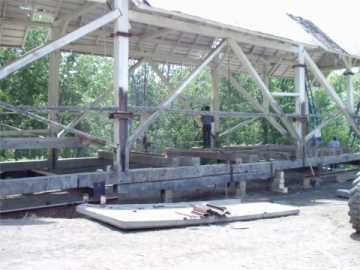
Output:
(121, 34)
(299, 66)
(121, 115)
(348, 73)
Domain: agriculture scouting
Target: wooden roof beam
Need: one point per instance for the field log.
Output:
(206, 30)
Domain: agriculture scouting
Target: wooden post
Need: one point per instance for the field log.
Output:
(215, 105)
(301, 104)
(121, 83)
(266, 106)
(53, 96)
(350, 90)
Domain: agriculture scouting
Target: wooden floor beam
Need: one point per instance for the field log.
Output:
(184, 177)
(40, 143)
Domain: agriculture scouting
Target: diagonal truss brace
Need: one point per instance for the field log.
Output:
(322, 125)
(174, 94)
(169, 86)
(44, 120)
(264, 89)
(241, 124)
(100, 98)
(257, 106)
(57, 44)
(331, 91)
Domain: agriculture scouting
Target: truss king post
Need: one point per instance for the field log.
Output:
(53, 96)
(266, 105)
(350, 89)
(121, 85)
(301, 102)
(215, 104)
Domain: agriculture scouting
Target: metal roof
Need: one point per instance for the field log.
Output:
(162, 35)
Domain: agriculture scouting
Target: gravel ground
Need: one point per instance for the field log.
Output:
(319, 238)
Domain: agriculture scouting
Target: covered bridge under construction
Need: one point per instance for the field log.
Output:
(134, 31)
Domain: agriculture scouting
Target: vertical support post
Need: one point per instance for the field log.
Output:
(53, 96)
(266, 106)
(350, 90)
(301, 102)
(121, 83)
(215, 104)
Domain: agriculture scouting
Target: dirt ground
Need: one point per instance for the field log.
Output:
(319, 238)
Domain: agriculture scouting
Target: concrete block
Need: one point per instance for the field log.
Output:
(166, 196)
(240, 189)
(307, 183)
(278, 183)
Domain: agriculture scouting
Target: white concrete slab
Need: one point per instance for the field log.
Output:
(151, 216)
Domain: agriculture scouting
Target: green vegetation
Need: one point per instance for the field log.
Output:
(85, 77)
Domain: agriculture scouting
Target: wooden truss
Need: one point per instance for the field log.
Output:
(163, 37)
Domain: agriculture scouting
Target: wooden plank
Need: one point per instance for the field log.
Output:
(53, 183)
(208, 154)
(245, 155)
(21, 133)
(130, 217)
(47, 200)
(173, 178)
(142, 109)
(67, 164)
(285, 94)
(263, 147)
(41, 143)
(153, 160)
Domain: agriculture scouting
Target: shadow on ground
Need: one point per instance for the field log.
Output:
(325, 194)
(355, 236)
(24, 222)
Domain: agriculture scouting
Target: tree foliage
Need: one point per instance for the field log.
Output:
(85, 77)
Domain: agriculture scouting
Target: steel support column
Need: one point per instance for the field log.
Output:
(121, 83)
(301, 101)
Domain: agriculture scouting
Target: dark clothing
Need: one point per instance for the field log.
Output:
(207, 136)
(207, 119)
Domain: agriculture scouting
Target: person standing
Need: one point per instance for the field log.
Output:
(207, 121)
(334, 143)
